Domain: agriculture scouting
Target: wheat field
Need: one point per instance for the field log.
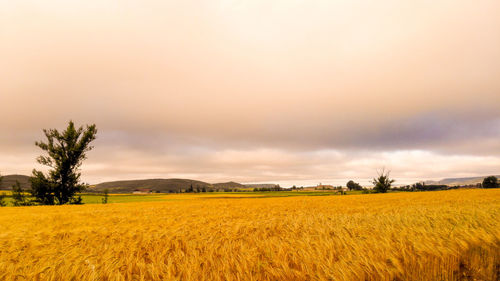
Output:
(445, 235)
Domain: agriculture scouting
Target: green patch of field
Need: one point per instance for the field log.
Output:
(128, 198)
(122, 198)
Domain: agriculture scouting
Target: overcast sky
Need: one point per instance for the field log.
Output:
(294, 92)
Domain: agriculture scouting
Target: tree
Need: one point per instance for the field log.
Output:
(18, 196)
(490, 182)
(66, 152)
(382, 182)
(2, 196)
(2, 199)
(106, 195)
(351, 185)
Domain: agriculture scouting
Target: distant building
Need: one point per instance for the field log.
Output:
(143, 191)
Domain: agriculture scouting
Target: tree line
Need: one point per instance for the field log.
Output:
(383, 183)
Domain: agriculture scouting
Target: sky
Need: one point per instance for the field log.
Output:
(290, 92)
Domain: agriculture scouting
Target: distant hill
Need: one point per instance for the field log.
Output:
(175, 185)
(260, 185)
(9, 180)
(157, 185)
(230, 184)
(128, 186)
(460, 181)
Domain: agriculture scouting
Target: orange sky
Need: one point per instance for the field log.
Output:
(253, 91)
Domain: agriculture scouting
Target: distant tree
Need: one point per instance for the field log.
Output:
(2, 199)
(421, 186)
(76, 200)
(19, 197)
(66, 152)
(278, 188)
(402, 188)
(351, 185)
(418, 186)
(382, 182)
(2, 196)
(42, 188)
(204, 189)
(106, 195)
(490, 182)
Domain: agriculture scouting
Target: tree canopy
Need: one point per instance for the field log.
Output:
(351, 185)
(65, 153)
(490, 182)
(383, 182)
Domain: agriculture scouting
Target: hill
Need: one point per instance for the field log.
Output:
(128, 186)
(9, 180)
(460, 181)
(230, 184)
(157, 185)
(260, 185)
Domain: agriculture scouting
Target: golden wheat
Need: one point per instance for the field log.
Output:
(449, 235)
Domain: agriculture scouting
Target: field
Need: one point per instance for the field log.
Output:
(443, 235)
(96, 198)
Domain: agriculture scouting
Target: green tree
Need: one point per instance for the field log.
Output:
(66, 152)
(106, 195)
(2, 199)
(351, 185)
(490, 182)
(19, 197)
(2, 196)
(382, 182)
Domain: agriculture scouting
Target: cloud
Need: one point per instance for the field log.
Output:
(255, 91)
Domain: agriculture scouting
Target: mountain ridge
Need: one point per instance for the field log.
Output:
(459, 181)
(177, 185)
(9, 180)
